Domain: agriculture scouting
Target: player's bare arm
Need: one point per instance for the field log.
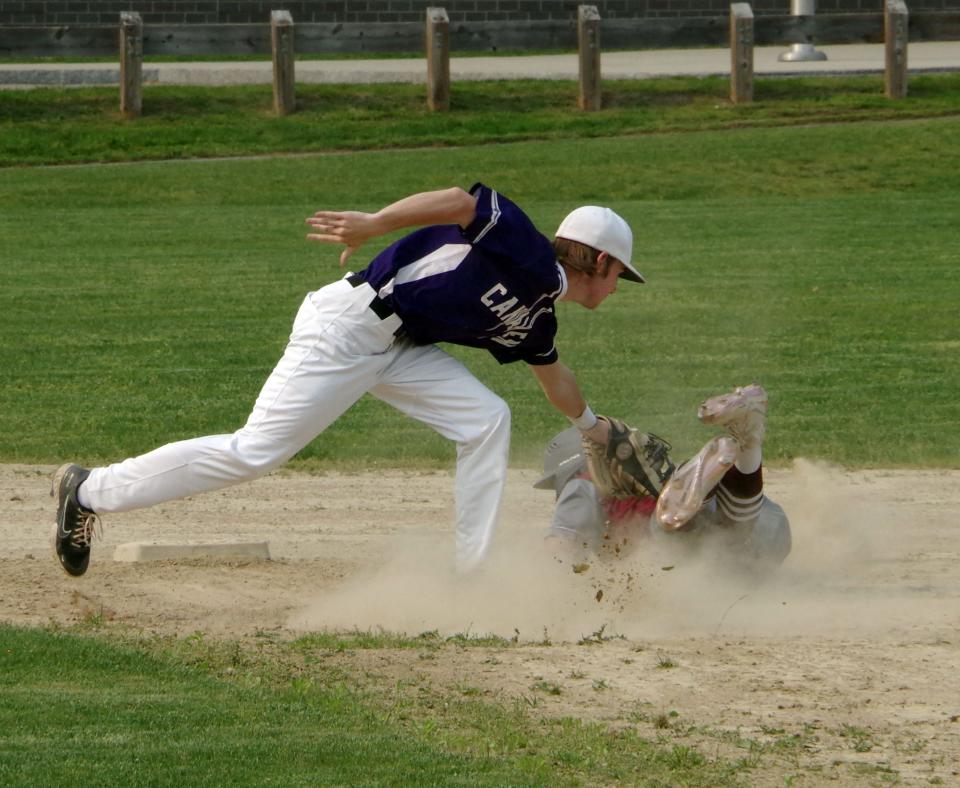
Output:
(354, 228)
(560, 386)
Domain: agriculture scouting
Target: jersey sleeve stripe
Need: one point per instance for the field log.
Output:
(494, 216)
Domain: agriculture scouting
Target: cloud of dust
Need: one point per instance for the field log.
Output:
(840, 577)
(520, 591)
(654, 590)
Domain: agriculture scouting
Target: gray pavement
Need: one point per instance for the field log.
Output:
(849, 58)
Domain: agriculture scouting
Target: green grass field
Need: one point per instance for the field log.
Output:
(193, 713)
(51, 126)
(147, 301)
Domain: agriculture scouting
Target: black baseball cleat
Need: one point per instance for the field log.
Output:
(74, 528)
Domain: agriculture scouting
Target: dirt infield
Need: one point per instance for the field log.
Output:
(849, 657)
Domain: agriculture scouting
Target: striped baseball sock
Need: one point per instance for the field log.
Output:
(740, 495)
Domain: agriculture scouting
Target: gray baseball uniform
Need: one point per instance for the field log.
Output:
(761, 541)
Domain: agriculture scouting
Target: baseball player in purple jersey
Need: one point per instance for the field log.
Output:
(478, 273)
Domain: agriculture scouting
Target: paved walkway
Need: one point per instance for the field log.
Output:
(852, 58)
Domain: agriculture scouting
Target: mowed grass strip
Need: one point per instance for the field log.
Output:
(83, 709)
(148, 302)
(50, 126)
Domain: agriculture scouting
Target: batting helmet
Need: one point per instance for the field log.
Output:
(563, 460)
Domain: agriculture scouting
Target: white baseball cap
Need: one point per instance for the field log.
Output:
(604, 230)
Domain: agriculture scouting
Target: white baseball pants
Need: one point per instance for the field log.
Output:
(339, 350)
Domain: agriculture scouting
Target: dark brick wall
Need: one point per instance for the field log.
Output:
(100, 12)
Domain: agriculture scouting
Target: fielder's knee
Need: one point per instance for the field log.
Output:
(498, 421)
(488, 434)
(256, 455)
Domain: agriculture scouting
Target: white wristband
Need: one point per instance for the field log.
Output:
(585, 421)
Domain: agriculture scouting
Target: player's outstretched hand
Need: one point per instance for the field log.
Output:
(600, 432)
(351, 228)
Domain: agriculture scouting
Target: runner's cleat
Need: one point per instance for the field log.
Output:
(692, 482)
(742, 412)
(74, 529)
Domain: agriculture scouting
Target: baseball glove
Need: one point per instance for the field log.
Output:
(632, 464)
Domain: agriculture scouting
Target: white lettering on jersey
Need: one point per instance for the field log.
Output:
(517, 316)
(502, 308)
(487, 298)
(518, 322)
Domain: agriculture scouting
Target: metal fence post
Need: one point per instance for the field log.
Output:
(806, 51)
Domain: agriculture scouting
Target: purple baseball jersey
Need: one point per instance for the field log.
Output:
(492, 285)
